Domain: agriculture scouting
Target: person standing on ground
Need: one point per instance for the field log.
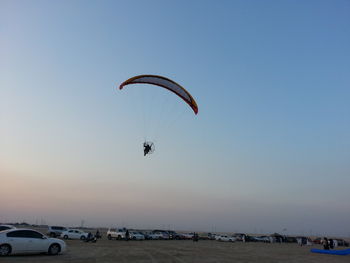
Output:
(325, 243)
(127, 235)
(98, 235)
(195, 237)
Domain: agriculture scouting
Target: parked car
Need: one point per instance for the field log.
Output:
(74, 234)
(145, 234)
(163, 234)
(116, 233)
(150, 235)
(21, 241)
(6, 227)
(342, 242)
(155, 235)
(248, 238)
(318, 241)
(240, 236)
(56, 231)
(173, 235)
(264, 239)
(203, 236)
(225, 238)
(290, 239)
(186, 235)
(135, 235)
(211, 236)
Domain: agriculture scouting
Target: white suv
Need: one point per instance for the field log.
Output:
(116, 233)
(56, 231)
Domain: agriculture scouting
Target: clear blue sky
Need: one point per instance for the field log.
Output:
(268, 150)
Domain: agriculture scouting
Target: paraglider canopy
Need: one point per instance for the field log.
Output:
(165, 83)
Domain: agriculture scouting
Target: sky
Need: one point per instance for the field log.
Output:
(268, 151)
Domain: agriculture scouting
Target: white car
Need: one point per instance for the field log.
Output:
(155, 235)
(22, 241)
(134, 235)
(116, 233)
(264, 239)
(74, 234)
(6, 227)
(225, 238)
(56, 231)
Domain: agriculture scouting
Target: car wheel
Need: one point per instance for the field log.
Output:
(82, 237)
(119, 237)
(133, 238)
(54, 249)
(65, 237)
(109, 237)
(5, 250)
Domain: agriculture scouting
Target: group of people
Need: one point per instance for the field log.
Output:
(93, 238)
(329, 243)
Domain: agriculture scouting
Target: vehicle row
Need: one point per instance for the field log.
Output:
(123, 233)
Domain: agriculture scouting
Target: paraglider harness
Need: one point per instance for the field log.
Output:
(148, 148)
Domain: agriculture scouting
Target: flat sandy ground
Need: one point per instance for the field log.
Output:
(179, 251)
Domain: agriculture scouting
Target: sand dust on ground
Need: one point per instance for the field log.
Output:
(178, 251)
